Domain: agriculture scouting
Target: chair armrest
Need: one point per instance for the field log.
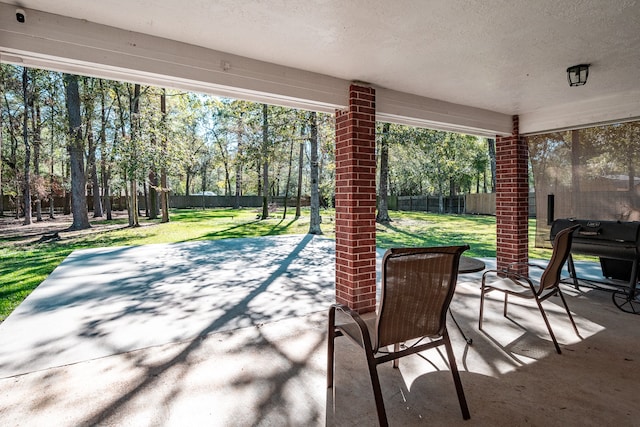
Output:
(516, 264)
(362, 326)
(516, 277)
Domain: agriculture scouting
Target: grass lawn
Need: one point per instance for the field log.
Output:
(26, 261)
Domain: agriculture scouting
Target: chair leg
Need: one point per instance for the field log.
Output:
(504, 311)
(456, 376)
(546, 321)
(396, 362)
(481, 307)
(331, 336)
(566, 307)
(377, 391)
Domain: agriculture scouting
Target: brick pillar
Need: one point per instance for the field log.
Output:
(512, 199)
(356, 201)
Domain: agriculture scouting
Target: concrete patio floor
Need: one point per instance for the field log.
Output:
(233, 333)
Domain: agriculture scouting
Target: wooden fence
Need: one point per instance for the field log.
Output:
(485, 204)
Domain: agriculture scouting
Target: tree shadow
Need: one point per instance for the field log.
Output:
(139, 297)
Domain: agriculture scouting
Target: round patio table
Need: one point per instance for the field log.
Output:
(470, 265)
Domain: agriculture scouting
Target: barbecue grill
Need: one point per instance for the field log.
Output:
(617, 244)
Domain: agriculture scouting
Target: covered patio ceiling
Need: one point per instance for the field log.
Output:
(455, 65)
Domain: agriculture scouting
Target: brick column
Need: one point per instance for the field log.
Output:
(356, 201)
(512, 199)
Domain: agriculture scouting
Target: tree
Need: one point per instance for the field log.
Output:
(576, 170)
(265, 161)
(26, 186)
(1, 160)
(76, 153)
(164, 189)
(105, 163)
(286, 191)
(383, 212)
(314, 223)
(300, 166)
(92, 169)
(491, 143)
(36, 183)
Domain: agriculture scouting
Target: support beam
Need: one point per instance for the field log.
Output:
(77, 46)
(356, 201)
(412, 110)
(512, 199)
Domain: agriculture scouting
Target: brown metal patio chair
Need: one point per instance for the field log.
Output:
(417, 287)
(517, 285)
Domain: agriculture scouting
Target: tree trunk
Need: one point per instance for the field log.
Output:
(1, 141)
(134, 220)
(153, 195)
(238, 161)
(440, 191)
(37, 144)
(452, 193)
(492, 160)
(632, 155)
(66, 167)
(105, 170)
(13, 150)
(204, 171)
(286, 188)
(146, 199)
(300, 167)
(484, 181)
(152, 200)
(224, 153)
(383, 207)
(265, 161)
(76, 153)
(26, 187)
(314, 222)
(236, 203)
(106, 193)
(93, 170)
(128, 200)
(164, 195)
(51, 162)
(576, 153)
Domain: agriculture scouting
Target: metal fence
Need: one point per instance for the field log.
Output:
(455, 204)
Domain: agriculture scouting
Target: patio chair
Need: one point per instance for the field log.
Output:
(417, 287)
(511, 283)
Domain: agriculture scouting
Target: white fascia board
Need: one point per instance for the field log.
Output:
(72, 45)
(403, 108)
(616, 108)
(77, 46)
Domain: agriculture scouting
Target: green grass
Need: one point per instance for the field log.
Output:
(26, 263)
(427, 229)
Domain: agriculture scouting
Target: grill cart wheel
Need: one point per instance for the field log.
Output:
(625, 302)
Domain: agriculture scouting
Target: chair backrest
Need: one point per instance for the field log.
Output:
(561, 248)
(417, 287)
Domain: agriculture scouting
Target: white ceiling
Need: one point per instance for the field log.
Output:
(506, 56)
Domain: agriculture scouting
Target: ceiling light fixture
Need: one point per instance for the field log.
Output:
(577, 75)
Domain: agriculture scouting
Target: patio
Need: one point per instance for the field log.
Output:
(233, 332)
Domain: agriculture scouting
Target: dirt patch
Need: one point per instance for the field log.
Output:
(12, 230)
